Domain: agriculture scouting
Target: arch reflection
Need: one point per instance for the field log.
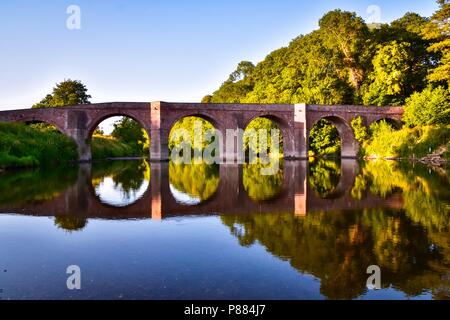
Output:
(261, 187)
(120, 183)
(324, 177)
(193, 184)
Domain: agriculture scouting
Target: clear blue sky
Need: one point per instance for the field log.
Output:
(153, 50)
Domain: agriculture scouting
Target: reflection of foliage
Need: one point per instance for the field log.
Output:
(197, 180)
(412, 246)
(338, 247)
(70, 223)
(262, 187)
(129, 175)
(324, 176)
(30, 186)
(423, 190)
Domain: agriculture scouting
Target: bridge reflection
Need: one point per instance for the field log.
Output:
(295, 195)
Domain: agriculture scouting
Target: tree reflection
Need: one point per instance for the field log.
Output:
(324, 176)
(70, 223)
(31, 186)
(412, 246)
(262, 187)
(128, 176)
(196, 180)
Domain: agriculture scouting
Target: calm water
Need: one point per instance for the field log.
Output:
(167, 231)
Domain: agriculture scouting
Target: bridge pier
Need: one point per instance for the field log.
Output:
(81, 138)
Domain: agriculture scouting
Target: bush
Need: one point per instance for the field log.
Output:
(429, 107)
(407, 142)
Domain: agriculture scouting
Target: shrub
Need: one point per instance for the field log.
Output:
(429, 107)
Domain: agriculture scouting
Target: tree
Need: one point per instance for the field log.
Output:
(388, 80)
(429, 107)
(207, 99)
(238, 84)
(131, 132)
(347, 35)
(438, 31)
(69, 92)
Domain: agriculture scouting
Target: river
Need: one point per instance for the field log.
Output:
(168, 231)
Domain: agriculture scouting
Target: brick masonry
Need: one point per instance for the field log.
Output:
(157, 118)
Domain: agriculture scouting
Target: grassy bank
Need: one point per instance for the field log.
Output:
(27, 146)
(104, 147)
(406, 143)
(24, 146)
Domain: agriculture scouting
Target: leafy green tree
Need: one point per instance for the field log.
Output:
(388, 81)
(347, 35)
(438, 31)
(207, 99)
(238, 84)
(66, 93)
(429, 107)
(359, 129)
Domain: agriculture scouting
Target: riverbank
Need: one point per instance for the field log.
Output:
(426, 144)
(23, 146)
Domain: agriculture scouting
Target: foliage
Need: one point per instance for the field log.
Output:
(106, 147)
(238, 84)
(345, 62)
(388, 84)
(429, 107)
(359, 129)
(254, 145)
(130, 132)
(196, 128)
(66, 93)
(405, 143)
(23, 146)
(324, 139)
(438, 31)
(347, 36)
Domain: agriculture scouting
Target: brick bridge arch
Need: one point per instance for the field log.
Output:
(158, 118)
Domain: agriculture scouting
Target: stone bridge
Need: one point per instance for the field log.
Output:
(157, 118)
(296, 197)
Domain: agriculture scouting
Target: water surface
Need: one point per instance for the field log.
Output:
(169, 231)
